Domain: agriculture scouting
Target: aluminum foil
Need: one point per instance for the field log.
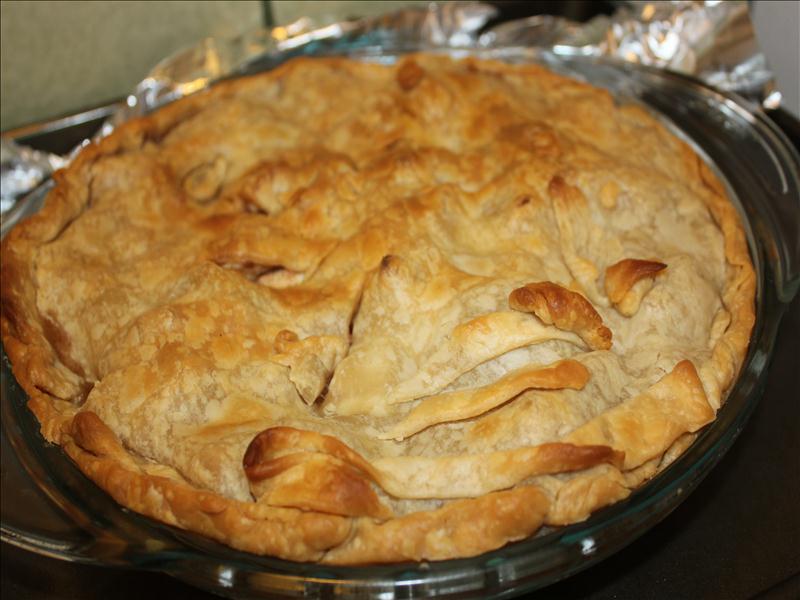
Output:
(22, 169)
(712, 40)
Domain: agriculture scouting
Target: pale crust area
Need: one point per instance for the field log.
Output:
(351, 313)
(648, 424)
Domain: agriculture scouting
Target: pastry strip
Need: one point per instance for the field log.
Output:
(471, 344)
(456, 476)
(465, 404)
(567, 310)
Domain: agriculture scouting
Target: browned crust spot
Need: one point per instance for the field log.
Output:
(568, 310)
(409, 75)
(308, 470)
(558, 188)
(621, 276)
(564, 458)
(283, 340)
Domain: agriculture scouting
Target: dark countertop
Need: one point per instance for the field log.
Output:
(737, 535)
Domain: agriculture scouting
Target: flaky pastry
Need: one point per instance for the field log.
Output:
(350, 313)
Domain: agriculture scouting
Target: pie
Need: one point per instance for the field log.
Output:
(354, 313)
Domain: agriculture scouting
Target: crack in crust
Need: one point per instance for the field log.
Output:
(567, 310)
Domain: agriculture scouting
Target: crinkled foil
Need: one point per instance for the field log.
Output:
(22, 169)
(712, 40)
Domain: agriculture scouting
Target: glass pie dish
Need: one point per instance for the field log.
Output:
(761, 172)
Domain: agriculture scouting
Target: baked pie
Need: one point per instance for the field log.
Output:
(350, 313)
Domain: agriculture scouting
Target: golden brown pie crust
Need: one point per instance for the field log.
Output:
(352, 313)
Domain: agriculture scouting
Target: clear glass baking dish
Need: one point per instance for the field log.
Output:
(49, 507)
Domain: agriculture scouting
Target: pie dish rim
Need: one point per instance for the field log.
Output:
(467, 559)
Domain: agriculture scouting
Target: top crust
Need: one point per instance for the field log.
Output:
(351, 313)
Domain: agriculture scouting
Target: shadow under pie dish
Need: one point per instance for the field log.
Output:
(353, 313)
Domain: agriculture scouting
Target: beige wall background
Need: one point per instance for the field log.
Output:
(285, 11)
(61, 57)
